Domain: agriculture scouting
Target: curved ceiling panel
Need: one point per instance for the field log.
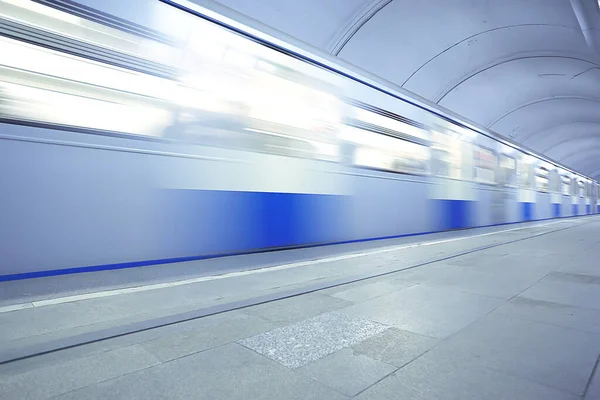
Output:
(585, 162)
(595, 174)
(570, 149)
(488, 94)
(407, 34)
(551, 140)
(523, 122)
(477, 53)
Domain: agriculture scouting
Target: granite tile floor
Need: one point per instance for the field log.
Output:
(519, 321)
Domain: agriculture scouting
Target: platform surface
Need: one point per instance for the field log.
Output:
(510, 312)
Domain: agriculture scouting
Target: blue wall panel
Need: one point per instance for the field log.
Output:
(575, 209)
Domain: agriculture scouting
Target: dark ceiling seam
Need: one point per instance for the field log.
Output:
(594, 154)
(448, 91)
(571, 153)
(478, 34)
(584, 72)
(362, 20)
(538, 102)
(539, 132)
(595, 173)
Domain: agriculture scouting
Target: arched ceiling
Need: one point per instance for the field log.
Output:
(527, 69)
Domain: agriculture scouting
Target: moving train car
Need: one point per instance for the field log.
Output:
(124, 145)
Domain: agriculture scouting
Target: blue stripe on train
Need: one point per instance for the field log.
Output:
(556, 210)
(527, 211)
(455, 214)
(214, 221)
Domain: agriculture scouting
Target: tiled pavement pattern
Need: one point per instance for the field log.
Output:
(518, 321)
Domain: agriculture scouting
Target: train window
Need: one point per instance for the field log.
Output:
(61, 89)
(135, 50)
(565, 185)
(485, 165)
(227, 93)
(585, 189)
(588, 189)
(258, 99)
(447, 154)
(554, 181)
(372, 120)
(580, 189)
(377, 151)
(382, 140)
(541, 179)
(526, 172)
(290, 117)
(508, 170)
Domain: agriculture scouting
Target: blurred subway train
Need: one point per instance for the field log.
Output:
(125, 145)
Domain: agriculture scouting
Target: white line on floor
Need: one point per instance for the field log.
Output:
(145, 288)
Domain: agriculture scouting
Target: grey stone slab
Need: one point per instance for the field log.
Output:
(69, 334)
(209, 332)
(430, 311)
(586, 265)
(365, 290)
(65, 319)
(63, 356)
(553, 313)
(44, 383)
(238, 324)
(39, 321)
(476, 259)
(570, 293)
(347, 372)
(229, 372)
(354, 265)
(593, 390)
(432, 377)
(307, 341)
(395, 346)
(503, 284)
(574, 277)
(554, 356)
(509, 265)
(297, 308)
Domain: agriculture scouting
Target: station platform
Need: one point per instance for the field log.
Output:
(508, 312)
